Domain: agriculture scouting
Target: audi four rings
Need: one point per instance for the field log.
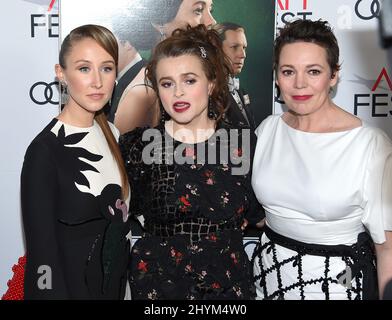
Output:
(48, 92)
(370, 13)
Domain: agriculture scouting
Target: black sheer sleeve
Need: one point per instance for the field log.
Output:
(131, 146)
(44, 276)
(255, 212)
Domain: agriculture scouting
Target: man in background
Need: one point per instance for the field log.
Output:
(234, 45)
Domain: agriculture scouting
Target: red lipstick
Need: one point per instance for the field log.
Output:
(181, 106)
(302, 98)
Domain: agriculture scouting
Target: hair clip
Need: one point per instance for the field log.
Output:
(203, 52)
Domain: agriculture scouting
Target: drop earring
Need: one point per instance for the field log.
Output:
(211, 113)
(164, 116)
(64, 93)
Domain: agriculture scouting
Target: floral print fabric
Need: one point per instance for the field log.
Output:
(193, 245)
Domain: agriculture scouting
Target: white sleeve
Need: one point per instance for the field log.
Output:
(266, 122)
(377, 216)
(387, 194)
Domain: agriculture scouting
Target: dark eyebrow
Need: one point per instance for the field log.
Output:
(189, 74)
(88, 61)
(315, 65)
(286, 66)
(182, 74)
(235, 43)
(308, 66)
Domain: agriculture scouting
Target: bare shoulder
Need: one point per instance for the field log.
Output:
(139, 94)
(140, 77)
(136, 109)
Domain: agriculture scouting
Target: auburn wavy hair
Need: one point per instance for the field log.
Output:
(215, 63)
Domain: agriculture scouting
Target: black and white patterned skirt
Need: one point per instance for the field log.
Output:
(288, 269)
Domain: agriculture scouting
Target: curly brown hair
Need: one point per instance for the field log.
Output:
(215, 63)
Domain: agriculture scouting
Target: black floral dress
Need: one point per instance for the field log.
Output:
(193, 244)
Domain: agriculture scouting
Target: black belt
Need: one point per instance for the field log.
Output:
(196, 228)
(361, 252)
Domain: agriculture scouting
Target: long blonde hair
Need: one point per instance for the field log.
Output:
(105, 38)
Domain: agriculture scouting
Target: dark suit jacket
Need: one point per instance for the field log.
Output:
(234, 115)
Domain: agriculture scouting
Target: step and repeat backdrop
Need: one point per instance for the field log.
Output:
(365, 86)
(138, 22)
(29, 100)
(32, 30)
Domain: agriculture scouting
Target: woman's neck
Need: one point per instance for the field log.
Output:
(330, 118)
(76, 116)
(191, 133)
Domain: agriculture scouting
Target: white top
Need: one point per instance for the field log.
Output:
(95, 143)
(324, 188)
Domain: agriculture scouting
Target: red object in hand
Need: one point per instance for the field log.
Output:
(16, 284)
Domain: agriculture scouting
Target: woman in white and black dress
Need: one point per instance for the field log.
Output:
(74, 188)
(324, 178)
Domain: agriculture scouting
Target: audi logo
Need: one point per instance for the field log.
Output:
(42, 93)
(370, 12)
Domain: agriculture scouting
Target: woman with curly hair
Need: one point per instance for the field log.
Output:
(191, 183)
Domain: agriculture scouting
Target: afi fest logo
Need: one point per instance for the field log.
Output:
(367, 9)
(380, 96)
(47, 20)
(289, 14)
(51, 4)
